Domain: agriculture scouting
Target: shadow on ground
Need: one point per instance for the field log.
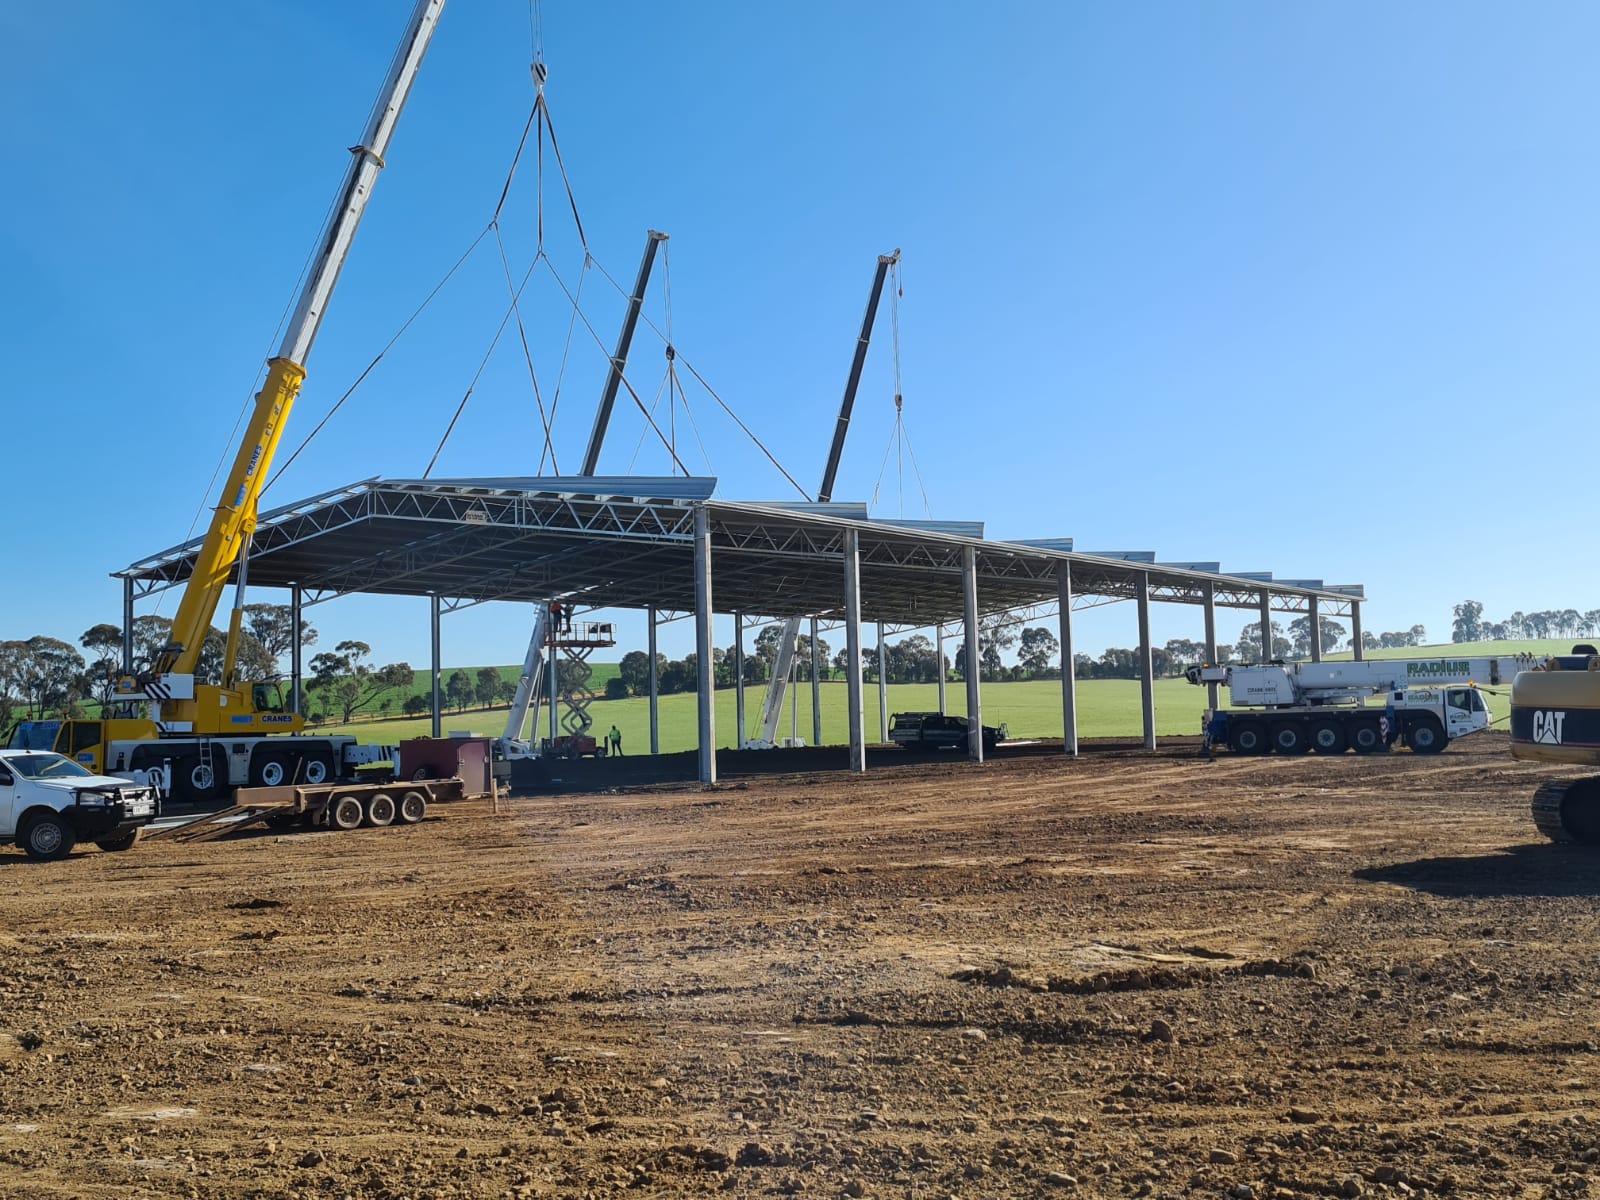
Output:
(1536, 869)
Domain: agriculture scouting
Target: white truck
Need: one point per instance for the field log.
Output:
(48, 804)
(1294, 707)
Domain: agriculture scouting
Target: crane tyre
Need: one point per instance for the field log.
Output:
(317, 767)
(380, 809)
(422, 774)
(1365, 737)
(413, 807)
(1248, 737)
(272, 770)
(193, 782)
(1569, 811)
(48, 837)
(1327, 737)
(345, 812)
(1289, 737)
(1425, 736)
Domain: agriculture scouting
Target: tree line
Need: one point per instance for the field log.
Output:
(1469, 626)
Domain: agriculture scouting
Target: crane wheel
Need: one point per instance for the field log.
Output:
(346, 813)
(1327, 737)
(380, 809)
(1425, 736)
(413, 807)
(1289, 737)
(1569, 811)
(1248, 737)
(1365, 737)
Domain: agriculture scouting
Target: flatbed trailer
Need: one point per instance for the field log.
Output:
(343, 806)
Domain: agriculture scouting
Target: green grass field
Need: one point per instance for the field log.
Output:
(1106, 707)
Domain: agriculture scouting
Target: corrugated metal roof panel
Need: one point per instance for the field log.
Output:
(1143, 556)
(1211, 568)
(1347, 589)
(1257, 576)
(635, 487)
(971, 529)
(1062, 544)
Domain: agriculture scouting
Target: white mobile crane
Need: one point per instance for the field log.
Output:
(217, 737)
(1293, 707)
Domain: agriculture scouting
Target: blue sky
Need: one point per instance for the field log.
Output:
(1294, 287)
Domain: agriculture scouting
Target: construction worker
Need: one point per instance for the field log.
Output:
(556, 609)
(616, 741)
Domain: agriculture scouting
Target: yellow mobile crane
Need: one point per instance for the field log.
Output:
(213, 737)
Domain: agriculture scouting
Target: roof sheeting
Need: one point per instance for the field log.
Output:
(598, 541)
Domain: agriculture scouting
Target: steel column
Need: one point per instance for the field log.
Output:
(1069, 682)
(655, 687)
(1357, 650)
(297, 631)
(1315, 615)
(127, 627)
(1266, 626)
(852, 641)
(703, 646)
(738, 675)
(816, 689)
(938, 652)
(969, 606)
(433, 629)
(553, 670)
(883, 688)
(1147, 683)
(1211, 640)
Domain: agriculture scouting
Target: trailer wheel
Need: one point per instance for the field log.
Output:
(1247, 737)
(48, 837)
(380, 809)
(413, 807)
(1425, 736)
(1327, 737)
(346, 812)
(1365, 737)
(1289, 737)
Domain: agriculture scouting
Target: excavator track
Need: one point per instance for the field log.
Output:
(1568, 810)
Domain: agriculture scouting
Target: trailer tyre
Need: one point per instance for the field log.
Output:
(1365, 737)
(380, 809)
(1327, 737)
(47, 837)
(1425, 736)
(413, 807)
(117, 845)
(1289, 737)
(1248, 737)
(346, 813)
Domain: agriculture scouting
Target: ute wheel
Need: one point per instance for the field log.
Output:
(48, 837)
(421, 774)
(1289, 737)
(346, 813)
(194, 782)
(1425, 736)
(413, 807)
(271, 770)
(1365, 737)
(1327, 737)
(380, 809)
(1569, 811)
(117, 845)
(1248, 737)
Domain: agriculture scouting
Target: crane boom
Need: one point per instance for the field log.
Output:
(778, 685)
(234, 518)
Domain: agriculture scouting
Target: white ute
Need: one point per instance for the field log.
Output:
(48, 804)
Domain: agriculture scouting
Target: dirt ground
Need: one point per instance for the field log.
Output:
(1121, 976)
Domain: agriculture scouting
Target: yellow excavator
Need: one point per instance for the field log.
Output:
(211, 738)
(1555, 718)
